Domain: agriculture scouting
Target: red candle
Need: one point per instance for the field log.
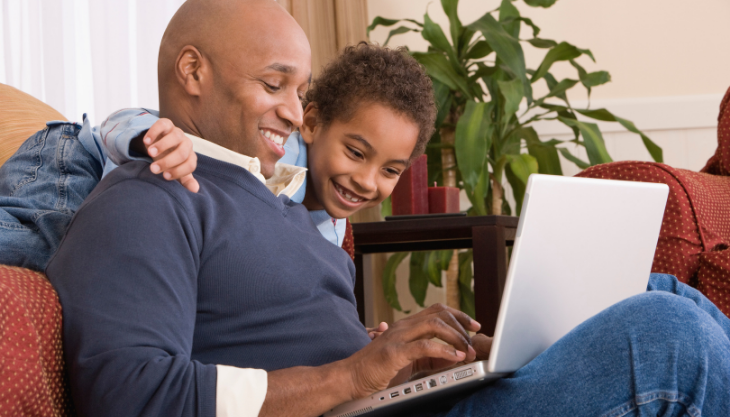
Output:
(410, 195)
(443, 199)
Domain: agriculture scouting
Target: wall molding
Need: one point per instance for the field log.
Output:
(647, 113)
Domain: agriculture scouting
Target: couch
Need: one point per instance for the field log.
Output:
(694, 242)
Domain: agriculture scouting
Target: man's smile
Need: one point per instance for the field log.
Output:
(275, 139)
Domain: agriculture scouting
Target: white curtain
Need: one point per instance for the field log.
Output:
(84, 56)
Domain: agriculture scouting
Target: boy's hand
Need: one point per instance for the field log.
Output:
(172, 153)
(374, 332)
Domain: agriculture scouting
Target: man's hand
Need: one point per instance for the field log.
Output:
(172, 153)
(393, 353)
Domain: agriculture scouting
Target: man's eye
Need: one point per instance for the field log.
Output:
(393, 172)
(271, 87)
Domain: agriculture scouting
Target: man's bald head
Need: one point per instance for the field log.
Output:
(230, 69)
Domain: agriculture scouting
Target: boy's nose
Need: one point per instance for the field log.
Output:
(366, 181)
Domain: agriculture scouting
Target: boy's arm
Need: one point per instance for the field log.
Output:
(139, 134)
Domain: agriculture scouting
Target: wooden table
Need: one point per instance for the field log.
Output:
(488, 236)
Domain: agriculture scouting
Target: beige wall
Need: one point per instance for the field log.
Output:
(652, 48)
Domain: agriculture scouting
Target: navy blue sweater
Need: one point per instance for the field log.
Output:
(159, 284)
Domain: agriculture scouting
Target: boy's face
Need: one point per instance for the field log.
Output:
(355, 164)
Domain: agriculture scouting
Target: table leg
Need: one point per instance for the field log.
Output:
(360, 287)
(490, 272)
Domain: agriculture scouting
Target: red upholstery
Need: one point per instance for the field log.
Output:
(695, 237)
(32, 376)
(348, 243)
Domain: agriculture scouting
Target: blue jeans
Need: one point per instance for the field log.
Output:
(41, 187)
(662, 353)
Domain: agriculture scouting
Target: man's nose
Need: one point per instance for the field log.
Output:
(291, 109)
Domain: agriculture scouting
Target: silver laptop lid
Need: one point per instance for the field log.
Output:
(582, 245)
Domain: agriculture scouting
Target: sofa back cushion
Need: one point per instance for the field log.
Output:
(31, 356)
(719, 164)
(21, 115)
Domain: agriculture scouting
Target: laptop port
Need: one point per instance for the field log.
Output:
(382, 398)
(463, 374)
(407, 390)
(432, 383)
(394, 394)
(419, 387)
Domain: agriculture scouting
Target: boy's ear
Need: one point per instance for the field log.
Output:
(190, 70)
(309, 123)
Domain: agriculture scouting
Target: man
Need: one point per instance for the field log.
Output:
(232, 280)
(163, 290)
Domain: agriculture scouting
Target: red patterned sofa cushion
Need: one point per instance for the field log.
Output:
(32, 376)
(719, 164)
(695, 237)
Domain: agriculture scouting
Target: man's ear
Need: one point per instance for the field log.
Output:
(309, 123)
(190, 69)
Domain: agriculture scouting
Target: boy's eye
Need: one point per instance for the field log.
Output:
(392, 172)
(355, 152)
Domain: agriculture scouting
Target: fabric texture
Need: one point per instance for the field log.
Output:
(223, 288)
(32, 371)
(41, 186)
(695, 234)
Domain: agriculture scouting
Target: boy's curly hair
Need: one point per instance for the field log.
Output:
(369, 73)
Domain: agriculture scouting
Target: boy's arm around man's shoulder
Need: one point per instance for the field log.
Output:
(126, 274)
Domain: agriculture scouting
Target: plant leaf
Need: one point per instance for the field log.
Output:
(433, 33)
(561, 52)
(466, 294)
(519, 170)
(418, 277)
(540, 3)
(434, 268)
(560, 88)
(513, 93)
(381, 21)
(542, 43)
(471, 141)
(545, 153)
(391, 294)
(438, 67)
(398, 31)
(507, 47)
(442, 95)
(455, 26)
(509, 18)
(479, 50)
(604, 115)
(592, 139)
(577, 161)
(386, 208)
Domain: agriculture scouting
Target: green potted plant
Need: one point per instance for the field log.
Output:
(485, 125)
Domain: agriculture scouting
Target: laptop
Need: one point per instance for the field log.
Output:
(581, 245)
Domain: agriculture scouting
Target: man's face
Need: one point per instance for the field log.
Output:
(254, 102)
(356, 164)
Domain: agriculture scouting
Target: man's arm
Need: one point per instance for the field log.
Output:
(126, 274)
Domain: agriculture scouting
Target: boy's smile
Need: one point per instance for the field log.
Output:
(355, 164)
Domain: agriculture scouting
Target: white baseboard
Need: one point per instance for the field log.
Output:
(647, 113)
